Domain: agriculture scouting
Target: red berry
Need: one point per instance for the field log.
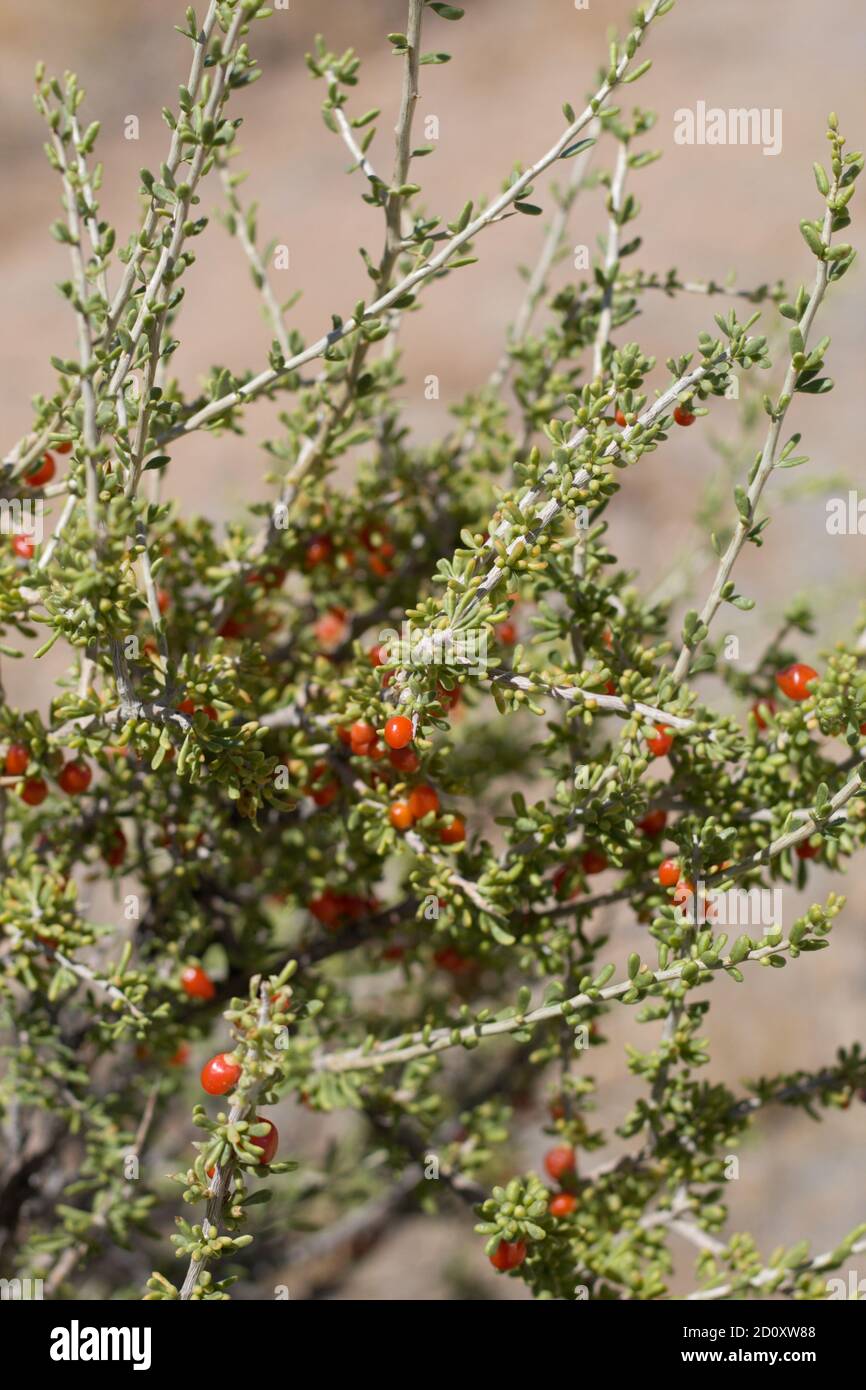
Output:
(266, 1142)
(41, 475)
(379, 566)
(669, 873)
(210, 712)
(593, 861)
(805, 850)
(322, 792)
(116, 850)
(197, 983)
(178, 1058)
(620, 419)
(660, 742)
(362, 736)
(231, 628)
(34, 791)
(163, 600)
(653, 823)
(17, 759)
(423, 800)
(560, 1161)
(507, 633)
(75, 777)
(684, 892)
(794, 680)
(398, 731)
(327, 909)
(24, 546)
(187, 707)
(319, 550)
(563, 1204)
(453, 833)
(769, 705)
(509, 1254)
(560, 881)
(404, 759)
(394, 953)
(400, 815)
(220, 1075)
(683, 416)
(450, 959)
(448, 699)
(377, 655)
(64, 447)
(331, 629)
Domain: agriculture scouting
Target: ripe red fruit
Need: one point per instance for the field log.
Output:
(509, 1254)
(593, 861)
(181, 1056)
(404, 759)
(668, 873)
(379, 566)
(187, 707)
(197, 983)
(34, 791)
(423, 800)
(793, 681)
(322, 792)
(220, 1075)
(450, 959)
(163, 600)
(326, 909)
(454, 832)
(116, 851)
(394, 953)
(769, 705)
(653, 823)
(266, 1142)
(448, 699)
(331, 629)
(41, 475)
(320, 549)
(24, 546)
(231, 628)
(64, 447)
(684, 892)
(362, 736)
(620, 419)
(559, 1161)
(400, 815)
(507, 633)
(660, 742)
(683, 416)
(75, 777)
(563, 1204)
(17, 759)
(805, 850)
(398, 731)
(560, 881)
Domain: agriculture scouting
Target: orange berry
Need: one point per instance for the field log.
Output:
(400, 815)
(453, 833)
(423, 800)
(398, 731)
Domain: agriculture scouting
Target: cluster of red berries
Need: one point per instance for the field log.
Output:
(219, 1076)
(334, 909)
(380, 551)
(74, 777)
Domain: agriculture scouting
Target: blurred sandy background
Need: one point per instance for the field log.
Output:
(706, 211)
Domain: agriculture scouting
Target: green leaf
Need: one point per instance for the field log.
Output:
(446, 11)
